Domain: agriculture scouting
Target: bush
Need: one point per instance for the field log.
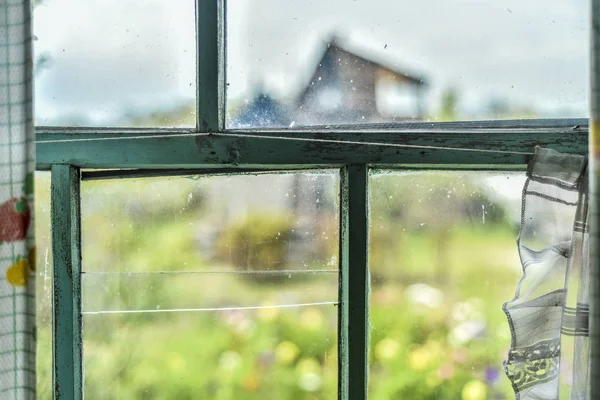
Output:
(258, 242)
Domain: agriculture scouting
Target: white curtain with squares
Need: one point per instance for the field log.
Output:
(17, 165)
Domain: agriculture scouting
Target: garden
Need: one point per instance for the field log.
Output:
(226, 287)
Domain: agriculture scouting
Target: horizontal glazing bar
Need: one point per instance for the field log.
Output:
(148, 173)
(548, 123)
(259, 272)
(456, 144)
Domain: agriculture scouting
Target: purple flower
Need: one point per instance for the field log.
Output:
(492, 374)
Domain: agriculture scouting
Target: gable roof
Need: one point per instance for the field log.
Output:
(377, 58)
(366, 56)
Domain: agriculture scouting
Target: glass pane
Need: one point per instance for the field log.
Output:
(43, 285)
(238, 222)
(221, 287)
(443, 259)
(294, 63)
(115, 63)
(245, 354)
(169, 291)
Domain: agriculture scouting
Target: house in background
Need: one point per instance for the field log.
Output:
(349, 87)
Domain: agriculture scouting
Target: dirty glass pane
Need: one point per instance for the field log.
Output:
(43, 285)
(443, 259)
(293, 63)
(114, 63)
(221, 287)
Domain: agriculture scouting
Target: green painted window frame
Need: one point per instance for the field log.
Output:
(211, 148)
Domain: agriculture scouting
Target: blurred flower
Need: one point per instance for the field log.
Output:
(239, 322)
(308, 365)
(474, 390)
(310, 382)
(446, 371)
(459, 356)
(267, 314)
(251, 383)
(423, 294)
(465, 332)
(286, 352)
(491, 374)
(461, 311)
(175, 361)
(233, 317)
(419, 358)
(387, 349)
(467, 310)
(230, 361)
(312, 319)
(265, 360)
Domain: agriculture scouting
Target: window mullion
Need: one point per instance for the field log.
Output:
(67, 344)
(354, 283)
(210, 56)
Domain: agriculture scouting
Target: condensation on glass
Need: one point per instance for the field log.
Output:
(298, 63)
(211, 286)
(115, 63)
(443, 258)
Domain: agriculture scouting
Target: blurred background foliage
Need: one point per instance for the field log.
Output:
(442, 260)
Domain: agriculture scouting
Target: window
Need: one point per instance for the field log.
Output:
(263, 244)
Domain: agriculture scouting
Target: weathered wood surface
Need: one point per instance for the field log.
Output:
(67, 367)
(470, 143)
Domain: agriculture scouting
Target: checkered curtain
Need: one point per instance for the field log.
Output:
(549, 315)
(17, 165)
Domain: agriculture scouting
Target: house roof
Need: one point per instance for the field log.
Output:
(377, 58)
(367, 56)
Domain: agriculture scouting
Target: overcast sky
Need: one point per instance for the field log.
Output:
(108, 57)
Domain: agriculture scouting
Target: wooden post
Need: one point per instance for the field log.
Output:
(210, 61)
(67, 373)
(354, 284)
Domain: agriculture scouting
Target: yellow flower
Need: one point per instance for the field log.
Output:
(387, 349)
(267, 314)
(286, 352)
(419, 358)
(474, 390)
(312, 319)
(251, 383)
(175, 361)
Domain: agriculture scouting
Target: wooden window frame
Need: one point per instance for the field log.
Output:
(211, 148)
